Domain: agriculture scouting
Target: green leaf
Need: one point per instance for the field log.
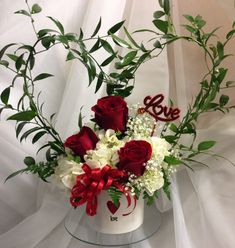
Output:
(20, 127)
(115, 195)
(4, 63)
(189, 18)
(170, 138)
(199, 22)
(30, 131)
(3, 50)
(144, 30)
(172, 160)
(5, 95)
(205, 145)
(158, 14)
(161, 3)
(115, 28)
(36, 9)
(80, 34)
(56, 147)
(130, 38)
(190, 28)
(62, 38)
(107, 46)
(120, 42)
(12, 57)
(29, 161)
(44, 32)
(142, 58)
(19, 62)
(23, 116)
(173, 128)
(58, 24)
(97, 28)
(220, 50)
(166, 6)
(95, 47)
(38, 136)
(150, 198)
(80, 118)
(108, 60)
(230, 34)
(161, 25)
(72, 37)
(99, 81)
(31, 61)
(125, 92)
(157, 44)
(223, 100)
(128, 58)
(166, 185)
(47, 40)
(70, 56)
(42, 76)
(22, 12)
(92, 71)
(44, 146)
(16, 173)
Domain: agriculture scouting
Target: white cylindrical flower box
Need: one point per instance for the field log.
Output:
(111, 219)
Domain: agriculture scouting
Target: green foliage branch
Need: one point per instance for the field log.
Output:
(28, 112)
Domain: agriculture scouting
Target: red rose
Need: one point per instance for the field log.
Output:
(133, 156)
(81, 142)
(111, 112)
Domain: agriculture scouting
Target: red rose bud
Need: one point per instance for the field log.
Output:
(133, 156)
(81, 142)
(111, 112)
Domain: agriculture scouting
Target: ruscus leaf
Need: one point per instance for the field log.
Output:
(58, 24)
(22, 12)
(42, 76)
(5, 95)
(115, 28)
(161, 25)
(205, 145)
(223, 100)
(36, 9)
(96, 29)
(23, 116)
(29, 161)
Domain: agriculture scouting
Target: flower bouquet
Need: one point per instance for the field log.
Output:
(123, 155)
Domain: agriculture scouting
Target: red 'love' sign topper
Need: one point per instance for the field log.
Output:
(153, 106)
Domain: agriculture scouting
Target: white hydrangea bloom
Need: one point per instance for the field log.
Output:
(66, 173)
(106, 151)
(160, 149)
(152, 180)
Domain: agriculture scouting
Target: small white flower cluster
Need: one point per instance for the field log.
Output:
(140, 125)
(105, 151)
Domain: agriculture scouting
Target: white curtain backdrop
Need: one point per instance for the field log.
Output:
(203, 202)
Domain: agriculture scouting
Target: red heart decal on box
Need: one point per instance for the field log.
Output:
(112, 207)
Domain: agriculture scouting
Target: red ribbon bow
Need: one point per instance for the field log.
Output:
(90, 184)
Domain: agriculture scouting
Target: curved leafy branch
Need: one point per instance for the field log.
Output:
(29, 109)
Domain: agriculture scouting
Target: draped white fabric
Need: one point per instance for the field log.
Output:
(202, 213)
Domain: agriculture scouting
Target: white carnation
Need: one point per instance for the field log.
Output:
(152, 180)
(66, 172)
(160, 149)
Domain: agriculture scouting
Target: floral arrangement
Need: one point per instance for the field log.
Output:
(119, 151)
(119, 154)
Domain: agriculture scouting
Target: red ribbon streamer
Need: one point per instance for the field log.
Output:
(90, 184)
